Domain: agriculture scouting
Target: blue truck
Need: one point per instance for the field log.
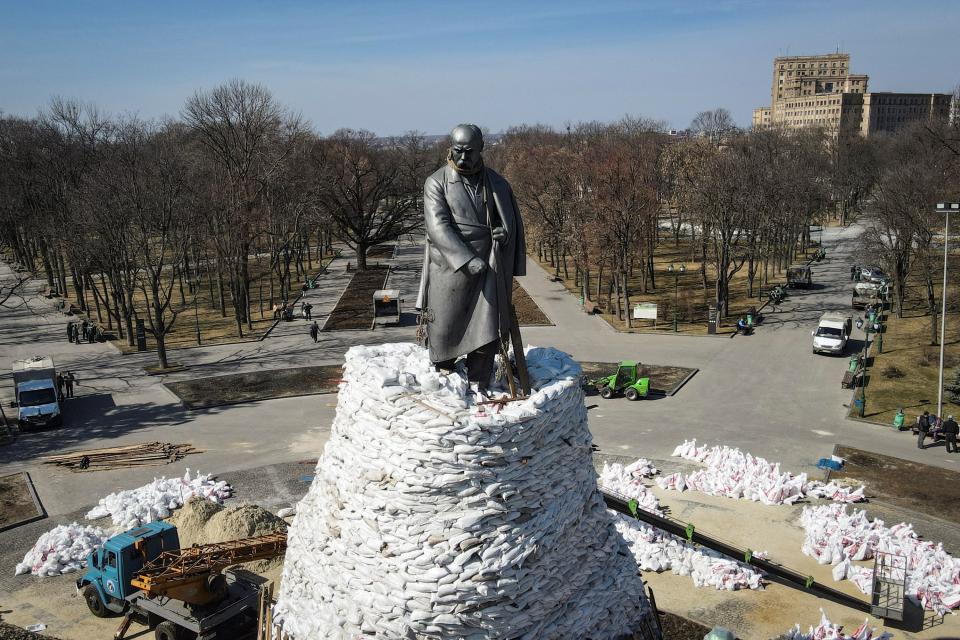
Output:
(182, 594)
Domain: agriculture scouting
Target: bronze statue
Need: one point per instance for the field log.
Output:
(475, 246)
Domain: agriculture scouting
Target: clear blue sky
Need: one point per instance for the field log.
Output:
(392, 66)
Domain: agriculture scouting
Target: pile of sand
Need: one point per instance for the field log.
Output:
(204, 522)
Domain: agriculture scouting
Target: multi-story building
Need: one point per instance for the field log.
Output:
(822, 91)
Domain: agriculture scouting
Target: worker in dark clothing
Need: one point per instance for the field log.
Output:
(70, 331)
(308, 311)
(950, 430)
(853, 271)
(68, 380)
(314, 331)
(923, 426)
(60, 386)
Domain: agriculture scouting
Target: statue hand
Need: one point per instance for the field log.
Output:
(499, 234)
(476, 266)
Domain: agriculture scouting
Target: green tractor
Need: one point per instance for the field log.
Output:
(631, 379)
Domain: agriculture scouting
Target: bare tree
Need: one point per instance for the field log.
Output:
(247, 135)
(368, 190)
(716, 125)
(147, 169)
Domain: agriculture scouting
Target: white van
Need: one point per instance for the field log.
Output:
(832, 333)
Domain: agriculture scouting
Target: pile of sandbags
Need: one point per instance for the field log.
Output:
(834, 536)
(63, 549)
(656, 550)
(732, 473)
(627, 481)
(826, 630)
(433, 515)
(156, 500)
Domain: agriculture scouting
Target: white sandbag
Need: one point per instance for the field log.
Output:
(63, 549)
(826, 630)
(656, 550)
(156, 500)
(832, 534)
(732, 473)
(434, 516)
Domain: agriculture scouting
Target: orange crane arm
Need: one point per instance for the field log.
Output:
(183, 574)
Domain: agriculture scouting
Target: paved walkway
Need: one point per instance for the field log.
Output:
(558, 303)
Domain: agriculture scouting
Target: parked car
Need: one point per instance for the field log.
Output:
(873, 274)
(832, 333)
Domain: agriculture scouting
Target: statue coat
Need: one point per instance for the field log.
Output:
(461, 310)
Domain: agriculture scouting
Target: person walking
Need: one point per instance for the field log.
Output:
(70, 331)
(60, 386)
(950, 430)
(68, 380)
(853, 271)
(308, 311)
(923, 426)
(314, 331)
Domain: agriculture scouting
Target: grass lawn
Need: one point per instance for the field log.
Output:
(692, 300)
(905, 375)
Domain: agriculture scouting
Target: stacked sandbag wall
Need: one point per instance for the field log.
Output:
(434, 516)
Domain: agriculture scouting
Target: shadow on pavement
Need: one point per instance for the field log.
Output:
(91, 418)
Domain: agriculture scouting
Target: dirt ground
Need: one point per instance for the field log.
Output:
(16, 501)
(664, 379)
(910, 485)
(528, 313)
(202, 393)
(679, 628)
(10, 632)
(354, 310)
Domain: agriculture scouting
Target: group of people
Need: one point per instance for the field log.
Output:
(84, 331)
(65, 382)
(933, 427)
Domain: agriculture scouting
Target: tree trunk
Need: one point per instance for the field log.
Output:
(626, 301)
(362, 257)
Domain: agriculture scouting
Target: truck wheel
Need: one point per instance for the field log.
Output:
(94, 603)
(631, 394)
(167, 631)
(606, 393)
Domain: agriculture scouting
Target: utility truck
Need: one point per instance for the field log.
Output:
(143, 574)
(35, 387)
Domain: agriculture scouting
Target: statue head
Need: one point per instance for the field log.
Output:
(466, 147)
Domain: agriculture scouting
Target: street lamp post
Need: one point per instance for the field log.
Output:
(676, 291)
(945, 208)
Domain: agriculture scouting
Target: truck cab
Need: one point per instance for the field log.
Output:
(832, 333)
(35, 389)
(799, 276)
(106, 583)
